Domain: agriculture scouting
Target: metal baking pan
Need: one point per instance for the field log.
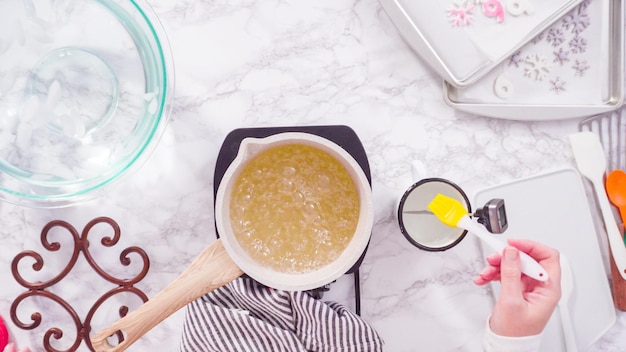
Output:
(575, 68)
(462, 40)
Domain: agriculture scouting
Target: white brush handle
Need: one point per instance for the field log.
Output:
(530, 267)
(616, 244)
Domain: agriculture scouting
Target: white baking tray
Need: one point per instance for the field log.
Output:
(462, 53)
(552, 208)
(568, 71)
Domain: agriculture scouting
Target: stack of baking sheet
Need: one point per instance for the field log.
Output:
(520, 59)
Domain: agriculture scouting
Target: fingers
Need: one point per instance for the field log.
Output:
(488, 274)
(494, 259)
(534, 249)
(547, 257)
(510, 274)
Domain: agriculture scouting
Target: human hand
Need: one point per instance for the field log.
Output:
(525, 304)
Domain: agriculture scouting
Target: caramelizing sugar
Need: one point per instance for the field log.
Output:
(294, 208)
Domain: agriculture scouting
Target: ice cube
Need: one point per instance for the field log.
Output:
(29, 8)
(152, 107)
(93, 152)
(6, 138)
(84, 173)
(73, 126)
(24, 134)
(54, 94)
(29, 109)
(149, 96)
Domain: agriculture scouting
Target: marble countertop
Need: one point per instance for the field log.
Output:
(262, 63)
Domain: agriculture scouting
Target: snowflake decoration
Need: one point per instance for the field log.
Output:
(555, 37)
(583, 5)
(461, 13)
(580, 67)
(578, 45)
(537, 67)
(557, 85)
(516, 59)
(561, 56)
(577, 21)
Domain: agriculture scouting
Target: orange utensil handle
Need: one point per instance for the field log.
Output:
(211, 269)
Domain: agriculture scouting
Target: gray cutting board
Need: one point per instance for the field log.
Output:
(553, 208)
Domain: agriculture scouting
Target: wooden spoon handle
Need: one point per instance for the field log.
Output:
(622, 215)
(210, 270)
(618, 284)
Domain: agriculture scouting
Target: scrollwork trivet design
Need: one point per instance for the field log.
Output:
(40, 289)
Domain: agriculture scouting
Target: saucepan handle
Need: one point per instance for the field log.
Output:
(210, 270)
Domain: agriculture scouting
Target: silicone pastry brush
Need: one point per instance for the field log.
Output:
(452, 213)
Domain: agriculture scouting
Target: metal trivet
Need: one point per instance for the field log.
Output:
(342, 135)
(40, 289)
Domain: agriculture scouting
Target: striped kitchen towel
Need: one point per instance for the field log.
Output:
(247, 316)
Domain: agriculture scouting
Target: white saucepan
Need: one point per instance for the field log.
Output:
(225, 260)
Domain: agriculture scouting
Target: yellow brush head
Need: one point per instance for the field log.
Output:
(446, 209)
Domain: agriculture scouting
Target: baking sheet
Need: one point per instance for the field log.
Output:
(553, 208)
(461, 40)
(572, 69)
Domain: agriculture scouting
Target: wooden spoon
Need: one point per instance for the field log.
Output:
(210, 270)
(616, 190)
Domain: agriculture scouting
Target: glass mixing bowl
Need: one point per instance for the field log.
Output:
(85, 87)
